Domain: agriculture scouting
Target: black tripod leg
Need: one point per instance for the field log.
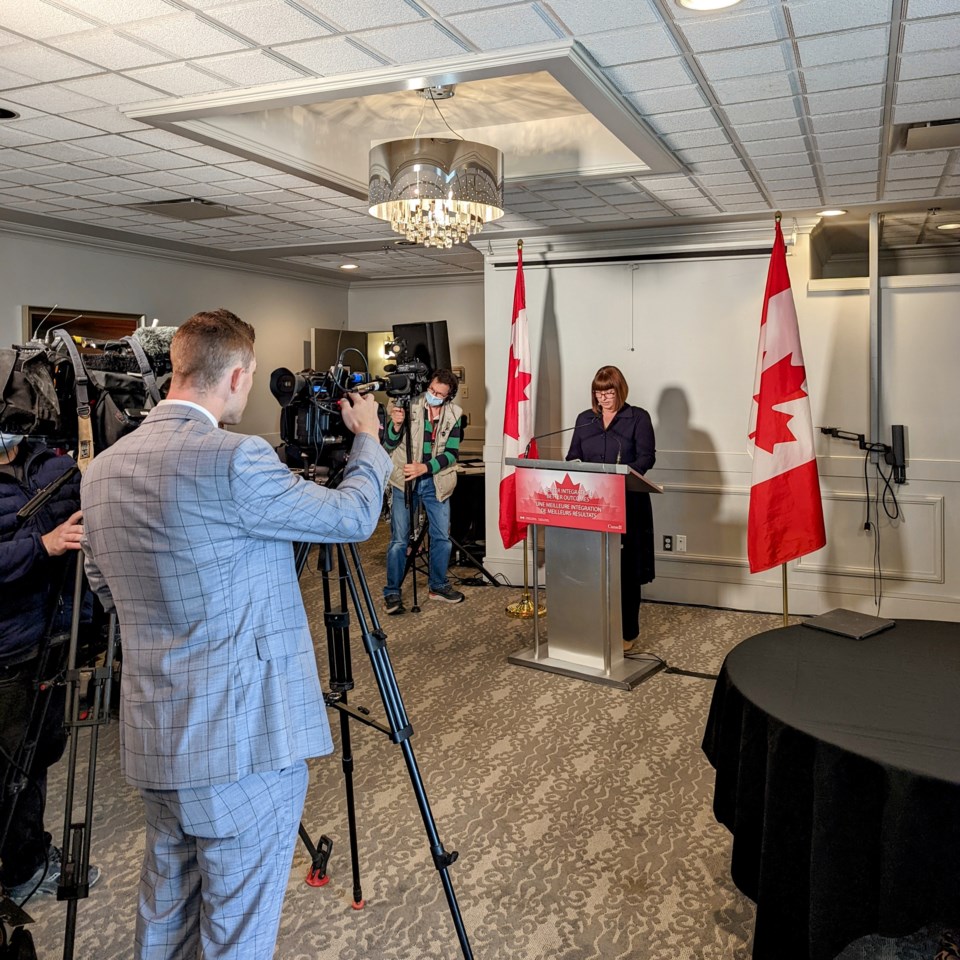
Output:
(474, 562)
(400, 732)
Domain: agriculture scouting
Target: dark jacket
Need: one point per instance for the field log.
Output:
(629, 439)
(29, 576)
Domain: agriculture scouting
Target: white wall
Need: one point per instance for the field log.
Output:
(375, 307)
(42, 271)
(685, 335)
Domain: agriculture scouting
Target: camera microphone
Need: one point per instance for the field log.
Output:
(396, 383)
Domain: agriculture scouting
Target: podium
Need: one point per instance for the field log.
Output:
(582, 507)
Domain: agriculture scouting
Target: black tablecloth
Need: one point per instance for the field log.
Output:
(838, 772)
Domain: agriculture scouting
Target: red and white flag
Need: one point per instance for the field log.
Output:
(786, 511)
(517, 413)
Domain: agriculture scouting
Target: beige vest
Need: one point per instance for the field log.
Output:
(446, 479)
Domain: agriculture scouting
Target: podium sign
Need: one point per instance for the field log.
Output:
(574, 499)
(583, 508)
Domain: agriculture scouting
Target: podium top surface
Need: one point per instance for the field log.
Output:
(583, 466)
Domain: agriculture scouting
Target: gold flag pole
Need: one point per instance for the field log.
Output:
(786, 612)
(523, 609)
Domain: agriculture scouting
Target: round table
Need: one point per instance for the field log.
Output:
(838, 773)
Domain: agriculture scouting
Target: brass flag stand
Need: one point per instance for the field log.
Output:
(524, 609)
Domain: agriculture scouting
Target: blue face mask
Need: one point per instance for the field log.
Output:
(434, 401)
(10, 441)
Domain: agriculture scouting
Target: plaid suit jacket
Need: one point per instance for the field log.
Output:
(188, 533)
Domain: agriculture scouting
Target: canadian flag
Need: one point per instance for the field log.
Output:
(517, 412)
(786, 511)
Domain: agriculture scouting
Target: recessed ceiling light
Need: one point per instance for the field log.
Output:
(6, 114)
(831, 213)
(949, 226)
(707, 4)
(349, 266)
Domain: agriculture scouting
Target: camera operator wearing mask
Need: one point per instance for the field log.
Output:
(189, 532)
(36, 588)
(435, 435)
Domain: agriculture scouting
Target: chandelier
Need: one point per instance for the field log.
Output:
(436, 192)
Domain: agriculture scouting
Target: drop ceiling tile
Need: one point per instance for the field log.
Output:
(184, 36)
(41, 20)
(725, 31)
(748, 90)
(923, 91)
(411, 42)
(251, 68)
(641, 77)
(65, 152)
(783, 108)
(836, 76)
(794, 194)
(800, 172)
(163, 160)
(361, 14)
(696, 138)
(696, 154)
(906, 194)
(922, 35)
(772, 130)
(848, 138)
(667, 100)
(17, 159)
(19, 138)
(862, 152)
(745, 62)
(328, 57)
(67, 171)
(914, 161)
(934, 63)
(838, 101)
(178, 80)
(107, 119)
(504, 27)
(720, 166)
(108, 49)
(120, 11)
(268, 21)
(683, 121)
(870, 165)
(113, 166)
(161, 178)
(112, 89)
(844, 47)
(114, 146)
(202, 174)
(287, 180)
(854, 120)
(586, 18)
(31, 177)
(931, 8)
(775, 160)
(41, 63)
(50, 99)
(52, 128)
(843, 179)
(650, 42)
(818, 17)
(760, 148)
(924, 112)
(9, 79)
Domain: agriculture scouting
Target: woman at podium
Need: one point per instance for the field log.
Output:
(613, 431)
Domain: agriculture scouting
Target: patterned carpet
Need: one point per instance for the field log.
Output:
(582, 813)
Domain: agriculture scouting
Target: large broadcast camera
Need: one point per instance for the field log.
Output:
(311, 425)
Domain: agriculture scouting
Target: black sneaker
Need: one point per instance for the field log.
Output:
(393, 603)
(447, 594)
(46, 878)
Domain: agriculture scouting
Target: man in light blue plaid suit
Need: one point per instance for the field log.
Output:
(188, 533)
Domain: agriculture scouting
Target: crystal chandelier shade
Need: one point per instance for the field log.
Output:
(436, 192)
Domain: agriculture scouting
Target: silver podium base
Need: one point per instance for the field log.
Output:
(624, 674)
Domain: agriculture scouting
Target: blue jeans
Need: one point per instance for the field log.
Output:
(438, 516)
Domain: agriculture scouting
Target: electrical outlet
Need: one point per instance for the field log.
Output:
(667, 542)
(464, 392)
(681, 543)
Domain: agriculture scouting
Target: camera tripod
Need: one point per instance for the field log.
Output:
(90, 711)
(398, 728)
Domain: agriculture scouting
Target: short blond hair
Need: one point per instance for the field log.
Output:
(209, 344)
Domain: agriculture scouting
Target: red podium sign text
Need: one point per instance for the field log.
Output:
(583, 501)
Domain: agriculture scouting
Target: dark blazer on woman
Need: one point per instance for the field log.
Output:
(629, 439)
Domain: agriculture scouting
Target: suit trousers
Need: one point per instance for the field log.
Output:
(216, 866)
